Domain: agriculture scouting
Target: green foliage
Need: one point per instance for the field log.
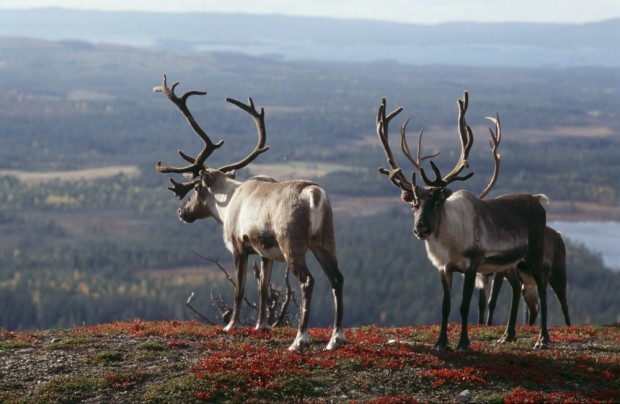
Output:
(63, 270)
(151, 346)
(106, 357)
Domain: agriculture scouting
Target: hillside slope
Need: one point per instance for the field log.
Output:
(186, 361)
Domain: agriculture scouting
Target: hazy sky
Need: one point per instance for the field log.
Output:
(415, 11)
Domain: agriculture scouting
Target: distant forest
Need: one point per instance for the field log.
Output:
(110, 249)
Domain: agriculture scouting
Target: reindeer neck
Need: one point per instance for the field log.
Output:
(460, 205)
(221, 194)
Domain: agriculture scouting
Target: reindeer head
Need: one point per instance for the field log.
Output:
(209, 190)
(208, 183)
(428, 201)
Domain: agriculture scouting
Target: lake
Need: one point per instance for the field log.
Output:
(601, 237)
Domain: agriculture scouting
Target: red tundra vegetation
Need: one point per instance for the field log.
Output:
(189, 361)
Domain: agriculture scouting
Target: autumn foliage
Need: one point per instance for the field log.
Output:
(381, 365)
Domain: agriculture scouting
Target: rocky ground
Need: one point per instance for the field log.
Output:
(186, 361)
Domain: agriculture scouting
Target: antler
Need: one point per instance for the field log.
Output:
(395, 173)
(192, 170)
(181, 189)
(417, 162)
(196, 164)
(467, 141)
(259, 119)
(496, 137)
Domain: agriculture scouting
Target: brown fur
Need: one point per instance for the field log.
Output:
(554, 268)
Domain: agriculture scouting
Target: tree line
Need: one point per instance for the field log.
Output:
(54, 275)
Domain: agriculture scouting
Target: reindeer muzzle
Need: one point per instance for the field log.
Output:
(185, 217)
(422, 231)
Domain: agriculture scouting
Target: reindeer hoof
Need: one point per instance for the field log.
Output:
(299, 345)
(335, 344)
(231, 326)
(463, 348)
(544, 342)
(542, 345)
(337, 340)
(463, 345)
(301, 342)
(507, 338)
(442, 347)
(263, 327)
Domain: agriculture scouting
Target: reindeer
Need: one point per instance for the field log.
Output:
(466, 234)
(554, 267)
(554, 264)
(279, 221)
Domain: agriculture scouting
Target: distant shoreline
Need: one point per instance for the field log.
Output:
(598, 236)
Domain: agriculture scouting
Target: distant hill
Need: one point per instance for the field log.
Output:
(324, 39)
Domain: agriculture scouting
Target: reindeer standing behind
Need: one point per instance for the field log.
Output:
(465, 234)
(554, 267)
(277, 220)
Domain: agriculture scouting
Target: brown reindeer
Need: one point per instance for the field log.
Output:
(554, 267)
(468, 235)
(277, 220)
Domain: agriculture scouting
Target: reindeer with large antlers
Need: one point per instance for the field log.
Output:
(277, 220)
(466, 234)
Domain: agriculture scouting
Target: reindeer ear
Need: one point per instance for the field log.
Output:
(232, 174)
(445, 193)
(206, 178)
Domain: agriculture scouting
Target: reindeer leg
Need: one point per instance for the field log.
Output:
(532, 309)
(498, 279)
(535, 263)
(528, 290)
(510, 334)
(241, 264)
(557, 281)
(482, 301)
(446, 283)
(306, 282)
(329, 263)
(468, 290)
(544, 340)
(266, 265)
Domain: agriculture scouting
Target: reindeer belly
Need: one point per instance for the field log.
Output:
(264, 243)
(497, 261)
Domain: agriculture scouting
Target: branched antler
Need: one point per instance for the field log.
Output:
(259, 119)
(410, 189)
(395, 173)
(467, 141)
(197, 163)
(496, 138)
(417, 162)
